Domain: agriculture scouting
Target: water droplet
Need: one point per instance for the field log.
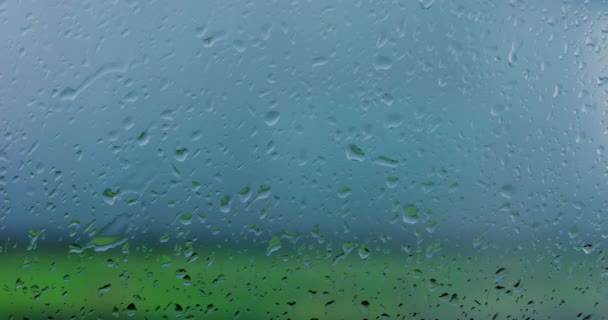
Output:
(410, 214)
(181, 154)
(393, 120)
(391, 182)
(512, 55)
(225, 203)
(202, 217)
(164, 238)
(201, 31)
(573, 232)
(111, 235)
(168, 115)
(239, 46)
(104, 243)
(600, 150)
(104, 288)
(110, 196)
(344, 192)
(185, 218)
(143, 138)
(245, 194)
(578, 205)
(363, 252)
(501, 273)
(131, 309)
(354, 153)
(386, 162)
(497, 110)
(426, 4)
(131, 97)
(273, 245)
(387, 99)
(272, 117)
(128, 123)
(383, 62)
(588, 248)
(507, 191)
(319, 61)
(211, 40)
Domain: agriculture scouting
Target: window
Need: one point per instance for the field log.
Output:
(365, 159)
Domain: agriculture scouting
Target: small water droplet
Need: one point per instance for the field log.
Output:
(104, 288)
(131, 97)
(273, 245)
(391, 182)
(601, 80)
(506, 191)
(344, 192)
(393, 120)
(110, 196)
(239, 46)
(383, 62)
(225, 203)
(245, 194)
(319, 61)
(386, 162)
(201, 31)
(363, 252)
(211, 40)
(128, 123)
(588, 248)
(143, 138)
(512, 55)
(578, 205)
(387, 99)
(272, 117)
(185, 218)
(354, 153)
(181, 154)
(497, 109)
(426, 4)
(410, 214)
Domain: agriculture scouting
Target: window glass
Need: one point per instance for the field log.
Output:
(364, 159)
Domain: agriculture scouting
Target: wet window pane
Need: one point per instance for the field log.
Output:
(361, 159)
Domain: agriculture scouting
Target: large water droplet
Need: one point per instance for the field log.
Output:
(104, 243)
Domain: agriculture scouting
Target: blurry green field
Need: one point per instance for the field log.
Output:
(235, 284)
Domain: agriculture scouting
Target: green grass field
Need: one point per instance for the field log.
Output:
(238, 284)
